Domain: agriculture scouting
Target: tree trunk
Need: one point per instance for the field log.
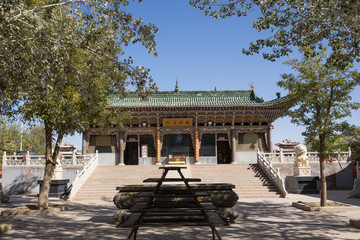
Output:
(57, 145)
(43, 199)
(322, 152)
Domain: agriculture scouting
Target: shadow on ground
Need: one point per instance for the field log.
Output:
(258, 219)
(266, 220)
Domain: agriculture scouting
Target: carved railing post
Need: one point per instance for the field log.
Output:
(4, 162)
(349, 158)
(73, 158)
(281, 155)
(27, 159)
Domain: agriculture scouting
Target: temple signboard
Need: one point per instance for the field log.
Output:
(177, 159)
(144, 150)
(177, 122)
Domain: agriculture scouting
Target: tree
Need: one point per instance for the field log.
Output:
(59, 64)
(319, 97)
(355, 146)
(352, 139)
(9, 137)
(33, 137)
(297, 23)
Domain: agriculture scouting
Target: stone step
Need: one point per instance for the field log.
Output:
(249, 180)
(110, 195)
(111, 189)
(258, 196)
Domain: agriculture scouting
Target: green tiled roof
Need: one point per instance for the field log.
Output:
(194, 99)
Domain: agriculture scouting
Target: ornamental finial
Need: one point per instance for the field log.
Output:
(177, 85)
(252, 86)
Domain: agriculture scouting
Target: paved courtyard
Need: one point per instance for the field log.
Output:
(258, 219)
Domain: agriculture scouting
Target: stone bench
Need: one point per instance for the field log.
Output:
(219, 194)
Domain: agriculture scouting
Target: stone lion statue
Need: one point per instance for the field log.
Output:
(301, 156)
(58, 170)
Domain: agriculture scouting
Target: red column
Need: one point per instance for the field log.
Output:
(196, 146)
(158, 148)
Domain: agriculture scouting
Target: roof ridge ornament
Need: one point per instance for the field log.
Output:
(252, 86)
(252, 94)
(177, 85)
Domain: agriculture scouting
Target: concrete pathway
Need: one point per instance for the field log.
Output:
(258, 219)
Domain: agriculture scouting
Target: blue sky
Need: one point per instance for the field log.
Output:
(205, 53)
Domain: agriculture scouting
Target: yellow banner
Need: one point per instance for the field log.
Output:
(177, 122)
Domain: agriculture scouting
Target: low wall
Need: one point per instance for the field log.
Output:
(241, 158)
(106, 159)
(246, 157)
(207, 160)
(337, 177)
(17, 180)
(189, 160)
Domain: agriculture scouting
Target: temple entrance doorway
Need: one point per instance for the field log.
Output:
(223, 152)
(131, 155)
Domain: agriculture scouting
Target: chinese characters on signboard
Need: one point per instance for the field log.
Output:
(144, 150)
(196, 145)
(177, 122)
(158, 149)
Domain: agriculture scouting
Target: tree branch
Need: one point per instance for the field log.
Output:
(328, 108)
(57, 4)
(19, 40)
(109, 57)
(328, 26)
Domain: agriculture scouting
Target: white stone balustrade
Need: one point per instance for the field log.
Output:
(283, 157)
(83, 175)
(272, 173)
(39, 160)
(265, 161)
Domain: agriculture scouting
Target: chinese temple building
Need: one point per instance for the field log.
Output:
(287, 145)
(203, 127)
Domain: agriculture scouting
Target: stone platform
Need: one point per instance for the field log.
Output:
(302, 184)
(57, 187)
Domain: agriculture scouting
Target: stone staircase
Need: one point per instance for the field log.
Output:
(104, 180)
(249, 180)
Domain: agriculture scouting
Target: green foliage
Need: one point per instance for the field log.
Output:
(59, 60)
(59, 64)
(33, 138)
(9, 137)
(320, 97)
(355, 150)
(297, 23)
(350, 139)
